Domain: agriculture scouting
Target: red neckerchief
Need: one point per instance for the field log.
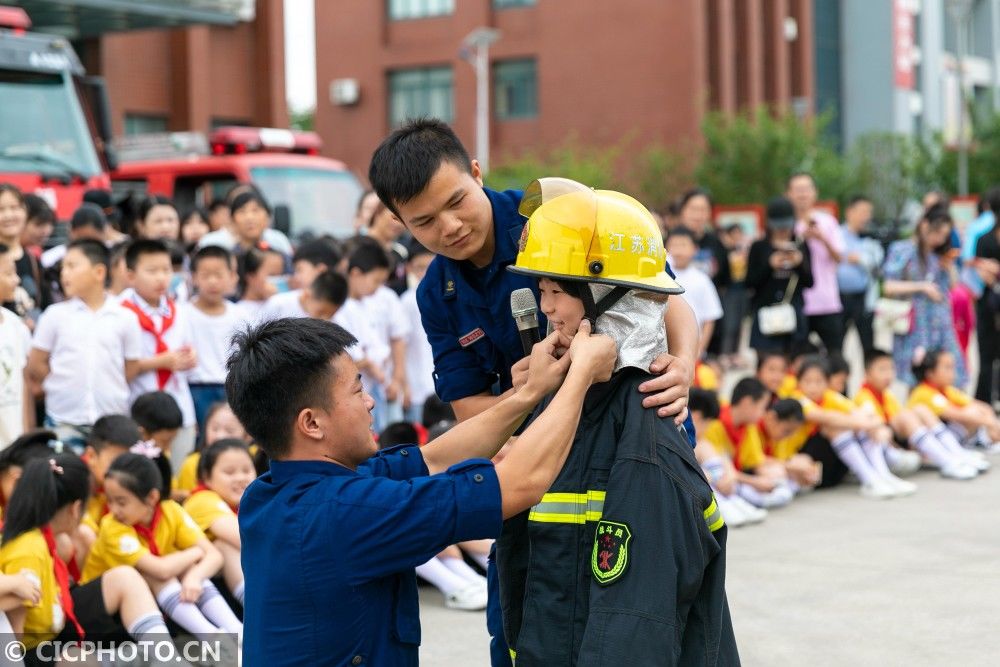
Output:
(697, 380)
(879, 398)
(146, 324)
(736, 434)
(202, 487)
(61, 571)
(940, 391)
(149, 534)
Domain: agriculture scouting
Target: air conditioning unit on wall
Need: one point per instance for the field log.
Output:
(345, 92)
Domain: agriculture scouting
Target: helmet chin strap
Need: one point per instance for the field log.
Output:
(592, 310)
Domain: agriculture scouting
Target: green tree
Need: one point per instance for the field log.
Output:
(302, 120)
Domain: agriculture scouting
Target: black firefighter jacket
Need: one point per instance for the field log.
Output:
(623, 562)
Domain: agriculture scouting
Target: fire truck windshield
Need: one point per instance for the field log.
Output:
(42, 127)
(321, 201)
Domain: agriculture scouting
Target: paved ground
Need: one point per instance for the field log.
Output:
(836, 579)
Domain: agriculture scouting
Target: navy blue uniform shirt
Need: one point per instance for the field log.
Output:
(328, 554)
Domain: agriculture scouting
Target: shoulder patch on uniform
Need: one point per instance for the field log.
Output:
(610, 556)
(471, 337)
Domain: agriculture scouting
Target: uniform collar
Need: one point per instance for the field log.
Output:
(163, 310)
(283, 471)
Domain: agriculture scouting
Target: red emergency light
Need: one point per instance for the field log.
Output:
(241, 140)
(14, 18)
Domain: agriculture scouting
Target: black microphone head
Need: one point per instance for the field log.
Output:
(522, 302)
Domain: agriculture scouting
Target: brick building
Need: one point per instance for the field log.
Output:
(601, 70)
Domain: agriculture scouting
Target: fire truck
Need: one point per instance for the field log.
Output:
(55, 124)
(311, 195)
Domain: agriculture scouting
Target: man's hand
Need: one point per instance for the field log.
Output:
(542, 373)
(519, 372)
(595, 355)
(670, 388)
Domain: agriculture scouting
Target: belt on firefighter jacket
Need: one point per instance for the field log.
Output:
(579, 508)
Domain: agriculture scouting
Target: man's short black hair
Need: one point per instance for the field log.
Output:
(278, 369)
(436, 411)
(787, 409)
(749, 387)
(705, 402)
(157, 411)
(368, 258)
(407, 159)
(114, 430)
(330, 287)
(875, 354)
(317, 252)
(95, 251)
(89, 215)
(140, 247)
(211, 252)
(399, 433)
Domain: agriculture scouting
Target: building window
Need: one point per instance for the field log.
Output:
(515, 89)
(504, 4)
(419, 9)
(144, 123)
(414, 93)
(218, 122)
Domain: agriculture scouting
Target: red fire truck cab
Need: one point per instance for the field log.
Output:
(311, 195)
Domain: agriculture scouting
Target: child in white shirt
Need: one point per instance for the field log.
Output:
(309, 261)
(699, 291)
(419, 356)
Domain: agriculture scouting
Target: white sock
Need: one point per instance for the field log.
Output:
(462, 569)
(435, 572)
(850, 452)
(238, 592)
(185, 614)
(482, 560)
(750, 494)
(947, 437)
(215, 608)
(150, 626)
(927, 444)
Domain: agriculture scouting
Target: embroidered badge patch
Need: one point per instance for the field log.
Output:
(471, 337)
(610, 556)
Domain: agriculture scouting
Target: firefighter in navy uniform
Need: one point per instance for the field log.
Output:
(623, 561)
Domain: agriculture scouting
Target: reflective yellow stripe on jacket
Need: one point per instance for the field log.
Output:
(579, 508)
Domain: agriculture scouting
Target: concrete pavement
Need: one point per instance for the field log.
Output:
(836, 579)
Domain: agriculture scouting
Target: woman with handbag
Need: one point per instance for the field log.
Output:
(778, 269)
(915, 270)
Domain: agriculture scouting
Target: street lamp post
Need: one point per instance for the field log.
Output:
(960, 11)
(477, 45)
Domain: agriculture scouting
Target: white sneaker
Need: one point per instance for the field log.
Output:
(753, 513)
(977, 461)
(903, 488)
(959, 469)
(907, 463)
(733, 514)
(879, 490)
(779, 497)
(468, 598)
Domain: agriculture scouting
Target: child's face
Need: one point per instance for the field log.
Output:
(778, 429)
(813, 383)
(417, 266)
(13, 216)
(161, 222)
(753, 411)
(224, 424)
(387, 225)
(838, 382)
(9, 280)
(943, 375)
(305, 273)
(78, 275)
(563, 311)
(881, 373)
(151, 276)
(365, 284)
(195, 228)
(681, 250)
(317, 308)
(214, 279)
(99, 462)
(772, 372)
(36, 232)
(231, 475)
(250, 221)
(125, 506)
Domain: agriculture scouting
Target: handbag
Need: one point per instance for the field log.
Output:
(780, 319)
(894, 314)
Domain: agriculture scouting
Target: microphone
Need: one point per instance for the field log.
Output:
(525, 311)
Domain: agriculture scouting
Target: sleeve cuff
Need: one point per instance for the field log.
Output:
(456, 385)
(403, 462)
(478, 511)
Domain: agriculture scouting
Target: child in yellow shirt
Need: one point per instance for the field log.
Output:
(148, 531)
(220, 422)
(29, 446)
(225, 470)
(48, 503)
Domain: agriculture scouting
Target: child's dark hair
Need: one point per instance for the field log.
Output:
(211, 252)
(245, 198)
(191, 212)
(151, 202)
(39, 210)
(813, 361)
(875, 354)
(32, 445)
(681, 232)
(407, 159)
(157, 410)
(46, 486)
(251, 262)
(211, 454)
(89, 215)
(95, 252)
(317, 252)
(764, 356)
(330, 287)
(787, 409)
(368, 258)
(436, 411)
(705, 402)
(139, 474)
(414, 249)
(923, 368)
(400, 433)
(801, 348)
(836, 363)
(140, 247)
(114, 430)
(749, 387)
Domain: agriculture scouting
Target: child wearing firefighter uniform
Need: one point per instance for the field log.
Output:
(626, 553)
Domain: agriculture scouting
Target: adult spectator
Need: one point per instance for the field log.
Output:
(983, 224)
(251, 229)
(695, 211)
(856, 273)
(775, 261)
(915, 268)
(41, 223)
(987, 267)
(32, 296)
(821, 233)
